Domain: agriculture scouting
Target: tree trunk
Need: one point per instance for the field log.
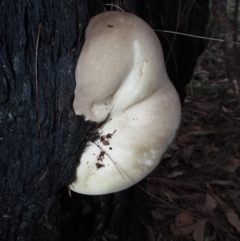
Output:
(41, 138)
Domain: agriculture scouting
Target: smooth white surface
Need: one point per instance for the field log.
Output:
(121, 76)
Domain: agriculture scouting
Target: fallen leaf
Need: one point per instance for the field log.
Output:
(225, 183)
(231, 215)
(184, 219)
(232, 218)
(184, 224)
(233, 166)
(151, 235)
(175, 174)
(174, 146)
(211, 148)
(178, 231)
(174, 163)
(171, 195)
(157, 214)
(224, 109)
(182, 184)
(198, 233)
(187, 152)
(210, 203)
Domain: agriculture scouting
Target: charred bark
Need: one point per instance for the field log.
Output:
(41, 139)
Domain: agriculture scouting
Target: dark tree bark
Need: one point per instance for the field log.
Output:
(41, 139)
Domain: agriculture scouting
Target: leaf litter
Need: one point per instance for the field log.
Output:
(198, 181)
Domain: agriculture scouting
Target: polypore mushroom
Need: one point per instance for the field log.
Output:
(121, 79)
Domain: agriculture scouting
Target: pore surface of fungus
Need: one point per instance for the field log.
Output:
(121, 79)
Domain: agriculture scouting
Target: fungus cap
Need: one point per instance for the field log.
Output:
(121, 79)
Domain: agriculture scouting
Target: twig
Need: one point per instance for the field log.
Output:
(110, 159)
(189, 35)
(114, 6)
(36, 79)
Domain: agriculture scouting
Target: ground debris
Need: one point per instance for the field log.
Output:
(198, 181)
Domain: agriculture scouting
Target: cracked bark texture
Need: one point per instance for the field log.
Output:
(38, 152)
(41, 139)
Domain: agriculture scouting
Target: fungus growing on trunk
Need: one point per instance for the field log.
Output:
(121, 79)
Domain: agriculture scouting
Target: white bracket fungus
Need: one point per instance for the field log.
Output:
(121, 78)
